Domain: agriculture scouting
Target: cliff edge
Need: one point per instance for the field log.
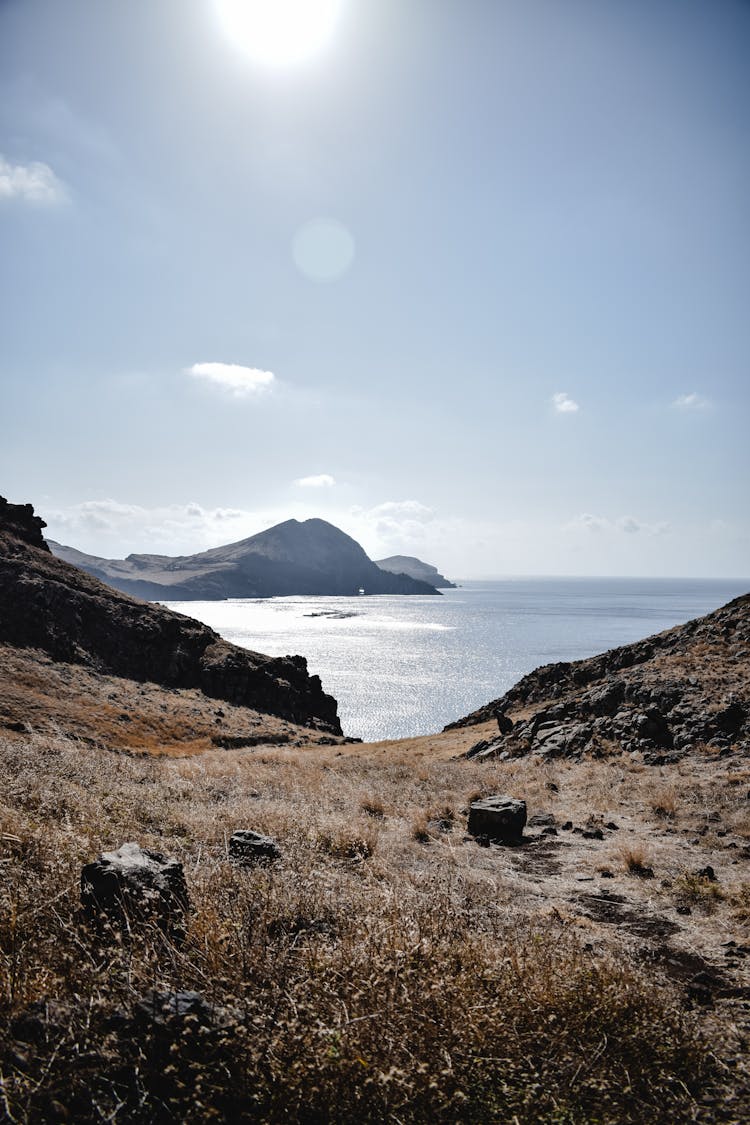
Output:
(46, 604)
(686, 688)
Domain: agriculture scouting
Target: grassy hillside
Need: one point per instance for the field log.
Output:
(388, 968)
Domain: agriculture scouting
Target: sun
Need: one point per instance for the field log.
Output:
(279, 32)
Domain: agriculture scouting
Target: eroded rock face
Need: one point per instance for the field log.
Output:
(48, 604)
(500, 818)
(20, 521)
(132, 885)
(687, 687)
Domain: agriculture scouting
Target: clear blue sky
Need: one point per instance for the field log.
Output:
(481, 266)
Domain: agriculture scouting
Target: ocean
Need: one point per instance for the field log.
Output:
(402, 666)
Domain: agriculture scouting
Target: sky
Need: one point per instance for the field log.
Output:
(467, 278)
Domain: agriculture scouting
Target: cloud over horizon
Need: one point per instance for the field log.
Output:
(33, 183)
(239, 380)
(564, 404)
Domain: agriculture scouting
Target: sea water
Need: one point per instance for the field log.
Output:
(402, 666)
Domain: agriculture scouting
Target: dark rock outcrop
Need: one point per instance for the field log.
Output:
(132, 885)
(500, 819)
(311, 557)
(686, 687)
(47, 604)
(415, 568)
(19, 520)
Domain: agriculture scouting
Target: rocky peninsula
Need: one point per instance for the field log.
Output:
(311, 557)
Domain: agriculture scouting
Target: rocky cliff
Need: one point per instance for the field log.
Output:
(415, 568)
(49, 605)
(686, 688)
(311, 557)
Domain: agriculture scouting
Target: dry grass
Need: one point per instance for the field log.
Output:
(368, 978)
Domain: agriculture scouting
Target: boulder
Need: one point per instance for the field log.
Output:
(169, 1010)
(248, 848)
(133, 885)
(499, 818)
(504, 723)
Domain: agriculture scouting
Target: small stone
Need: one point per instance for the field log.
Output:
(248, 848)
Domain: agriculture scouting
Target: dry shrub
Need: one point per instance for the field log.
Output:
(692, 889)
(739, 901)
(373, 806)
(420, 829)
(637, 860)
(347, 841)
(664, 802)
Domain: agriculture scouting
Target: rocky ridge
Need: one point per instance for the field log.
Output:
(49, 605)
(662, 697)
(311, 557)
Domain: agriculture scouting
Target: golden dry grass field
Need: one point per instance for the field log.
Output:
(388, 967)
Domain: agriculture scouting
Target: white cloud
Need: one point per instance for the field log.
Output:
(111, 528)
(628, 525)
(564, 404)
(392, 523)
(692, 401)
(322, 480)
(240, 381)
(33, 183)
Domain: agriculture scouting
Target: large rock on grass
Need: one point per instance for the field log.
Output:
(131, 886)
(500, 819)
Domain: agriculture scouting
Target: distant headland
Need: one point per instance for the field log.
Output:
(304, 558)
(415, 568)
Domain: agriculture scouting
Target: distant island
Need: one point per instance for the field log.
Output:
(415, 568)
(306, 558)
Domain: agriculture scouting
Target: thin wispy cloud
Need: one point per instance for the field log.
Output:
(628, 525)
(692, 401)
(564, 404)
(240, 381)
(33, 183)
(322, 480)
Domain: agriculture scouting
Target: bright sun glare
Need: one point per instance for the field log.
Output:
(278, 32)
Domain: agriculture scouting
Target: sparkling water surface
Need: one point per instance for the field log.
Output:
(402, 666)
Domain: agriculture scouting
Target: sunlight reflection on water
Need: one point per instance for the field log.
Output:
(401, 666)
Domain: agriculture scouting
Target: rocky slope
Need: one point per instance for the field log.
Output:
(46, 604)
(685, 688)
(415, 568)
(311, 557)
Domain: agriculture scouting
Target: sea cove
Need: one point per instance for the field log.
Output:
(407, 666)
